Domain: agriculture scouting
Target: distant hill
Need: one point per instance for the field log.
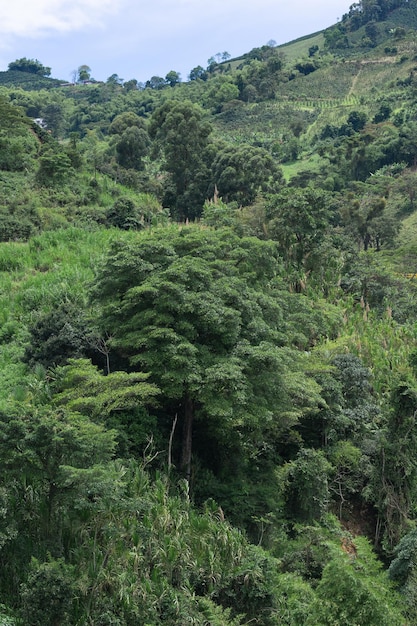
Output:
(28, 81)
(388, 16)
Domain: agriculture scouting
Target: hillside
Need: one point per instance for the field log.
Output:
(27, 81)
(208, 390)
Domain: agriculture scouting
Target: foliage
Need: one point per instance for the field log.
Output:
(54, 167)
(298, 220)
(31, 66)
(132, 148)
(241, 173)
(266, 353)
(216, 360)
(354, 592)
(51, 461)
(397, 463)
(14, 79)
(58, 335)
(402, 566)
(184, 134)
(17, 143)
(306, 486)
(118, 399)
(47, 594)
(130, 215)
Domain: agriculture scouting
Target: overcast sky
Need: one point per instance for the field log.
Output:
(144, 38)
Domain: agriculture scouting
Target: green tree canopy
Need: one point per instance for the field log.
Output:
(182, 132)
(31, 66)
(298, 220)
(83, 73)
(18, 142)
(125, 120)
(12, 118)
(132, 147)
(207, 315)
(173, 78)
(241, 172)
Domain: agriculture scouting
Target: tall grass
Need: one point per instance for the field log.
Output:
(35, 277)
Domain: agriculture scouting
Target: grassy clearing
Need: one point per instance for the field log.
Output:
(35, 277)
(300, 47)
(311, 163)
(52, 266)
(408, 233)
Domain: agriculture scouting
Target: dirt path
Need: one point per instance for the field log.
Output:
(354, 81)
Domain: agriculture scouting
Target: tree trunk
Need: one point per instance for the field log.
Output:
(187, 437)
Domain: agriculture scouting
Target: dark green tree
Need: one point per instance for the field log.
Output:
(298, 220)
(132, 147)
(125, 120)
(306, 66)
(240, 173)
(54, 167)
(173, 78)
(202, 312)
(182, 133)
(402, 567)
(367, 222)
(48, 593)
(83, 73)
(403, 571)
(306, 486)
(12, 118)
(59, 458)
(395, 474)
(130, 85)
(60, 334)
(198, 73)
(54, 117)
(357, 120)
(31, 66)
(114, 80)
(18, 142)
(156, 82)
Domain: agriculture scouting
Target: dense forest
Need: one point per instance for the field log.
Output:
(208, 343)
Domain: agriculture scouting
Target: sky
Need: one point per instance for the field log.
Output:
(144, 38)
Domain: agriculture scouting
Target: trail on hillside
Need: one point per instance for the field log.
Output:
(383, 60)
(354, 81)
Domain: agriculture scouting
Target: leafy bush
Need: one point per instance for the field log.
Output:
(47, 594)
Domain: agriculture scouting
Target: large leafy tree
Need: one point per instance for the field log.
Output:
(207, 315)
(182, 133)
(132, 147)
(298, 220)
(242, 172)
(124, 121)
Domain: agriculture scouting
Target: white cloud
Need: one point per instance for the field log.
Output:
(28, 18)
(142, 38)
(40, 18)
